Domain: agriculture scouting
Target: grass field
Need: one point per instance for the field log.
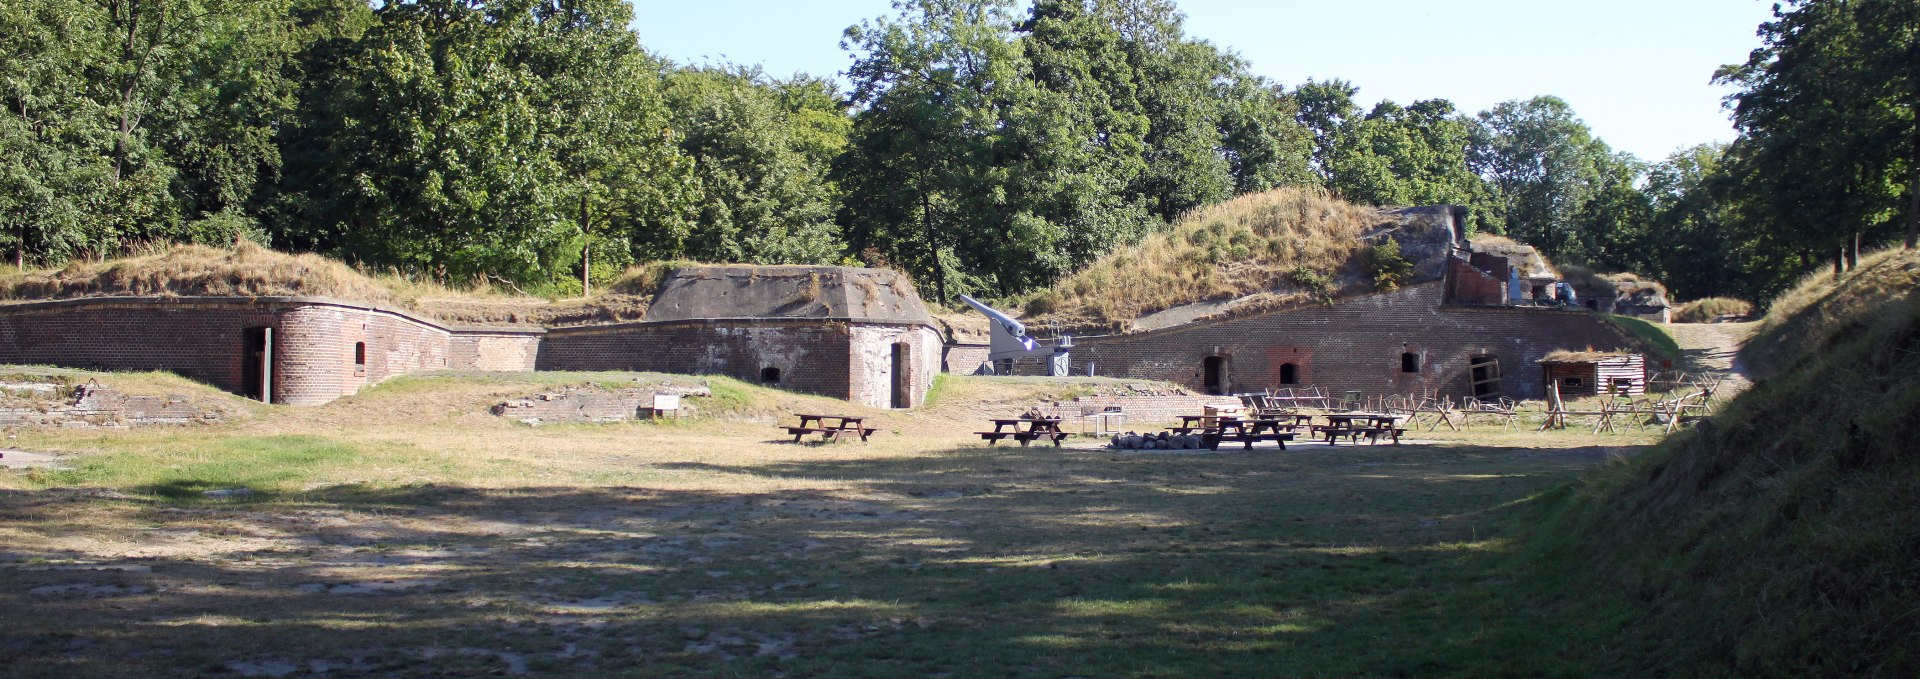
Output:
(430, 539)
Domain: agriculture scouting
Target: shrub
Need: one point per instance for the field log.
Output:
(1384, 264)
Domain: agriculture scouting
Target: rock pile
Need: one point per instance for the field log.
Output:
(1159, 441)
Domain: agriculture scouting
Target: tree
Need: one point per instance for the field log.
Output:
(497, 138)
(761, 151)
(1415, 155)
(1545, 165)
(1827, 111)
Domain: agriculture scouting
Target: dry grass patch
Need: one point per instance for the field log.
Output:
(1820, 308)
(1293, 243)
(1711, 309)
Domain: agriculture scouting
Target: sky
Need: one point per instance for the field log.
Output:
(1637, 71)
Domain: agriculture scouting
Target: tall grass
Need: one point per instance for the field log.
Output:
(1779, 538)
(1820, 307)
(1251, 244)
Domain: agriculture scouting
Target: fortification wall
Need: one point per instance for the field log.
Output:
(317, 344)
(493, 351)
(1357, 344)
(810, 356)
(200, 340)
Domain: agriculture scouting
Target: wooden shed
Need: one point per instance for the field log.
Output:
(1589, 373)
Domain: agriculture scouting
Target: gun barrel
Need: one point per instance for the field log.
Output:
(1012, 327)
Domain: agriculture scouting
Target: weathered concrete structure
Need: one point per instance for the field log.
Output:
(858, 334)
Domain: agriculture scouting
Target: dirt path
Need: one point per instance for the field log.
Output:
(1714, 349)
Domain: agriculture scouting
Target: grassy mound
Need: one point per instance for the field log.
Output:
(1710, 309)
(1292, 243)
(1821, 307)
(1778, 539)
(249, 270)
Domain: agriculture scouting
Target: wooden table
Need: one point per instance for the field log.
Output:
(1246, 430)
(831, 427)
(1356, 425)
(1025, 430)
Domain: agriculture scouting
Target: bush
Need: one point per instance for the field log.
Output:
(1384, 264)
(1710, 309)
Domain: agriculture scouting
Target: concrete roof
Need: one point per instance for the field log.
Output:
(788, 292)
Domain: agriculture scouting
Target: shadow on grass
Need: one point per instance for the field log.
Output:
(1004, 562)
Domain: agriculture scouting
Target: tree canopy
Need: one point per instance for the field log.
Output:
(983, 146)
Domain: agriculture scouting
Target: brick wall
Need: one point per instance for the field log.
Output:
(965, 359)
(204, 339)
(1470, 285)
(872, 376)
(493, 350)
(812, 356)
(1356, 344)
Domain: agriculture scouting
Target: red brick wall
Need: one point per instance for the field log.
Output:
(204, 340)
(964, 359)
(1472, 286)
(1355, 344)
(812, 356)
(314, 352)
(495, 351)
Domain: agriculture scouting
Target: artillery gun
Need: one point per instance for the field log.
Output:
(1011, 341)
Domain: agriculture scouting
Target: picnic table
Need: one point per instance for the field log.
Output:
(1355, 425)
(1025, 430)
(1245, 430)
(831, 427)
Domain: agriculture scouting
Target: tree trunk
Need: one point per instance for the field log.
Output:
(933, 248)
(586, 251)
(126, 90)
(1840, 260)
(1853, 251)
(1913, 201)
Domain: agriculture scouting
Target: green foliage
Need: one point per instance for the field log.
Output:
(1383, 263)
(760, 149)
(998, 152)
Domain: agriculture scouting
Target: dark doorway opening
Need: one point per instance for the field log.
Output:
(256, 364)
(1593, 304)
(770, 376)
(1486, 376)
(1289, 373)
(1215, 370)
(1409, 362)
(902, 375)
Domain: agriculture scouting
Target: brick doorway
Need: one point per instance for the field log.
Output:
(256, 364)
(902, 375)
(1214, 368)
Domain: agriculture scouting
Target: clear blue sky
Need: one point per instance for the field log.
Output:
(1636, 70)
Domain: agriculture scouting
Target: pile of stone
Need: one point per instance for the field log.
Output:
(1160, 441)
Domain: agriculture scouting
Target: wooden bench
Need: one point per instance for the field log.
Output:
(1024, 437)
(1213, 441)
(831, 433)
